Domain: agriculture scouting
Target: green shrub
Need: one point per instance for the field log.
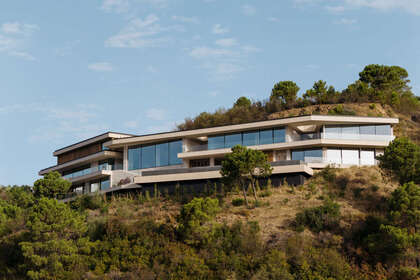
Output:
(265, 193)
(238, 201)
(325, 217)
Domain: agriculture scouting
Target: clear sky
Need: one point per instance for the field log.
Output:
(77, 68)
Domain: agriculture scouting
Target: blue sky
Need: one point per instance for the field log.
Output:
(74, 69)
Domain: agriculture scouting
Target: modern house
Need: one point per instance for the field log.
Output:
(296, 147)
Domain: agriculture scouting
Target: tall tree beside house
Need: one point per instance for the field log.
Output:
(244, 165)
(52, 185)
(286, 93)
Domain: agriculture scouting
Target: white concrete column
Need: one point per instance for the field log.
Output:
(125, 158)
(212, 161)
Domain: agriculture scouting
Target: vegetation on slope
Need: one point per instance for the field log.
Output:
(356, 223)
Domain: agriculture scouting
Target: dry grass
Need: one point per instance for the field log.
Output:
(358, 190)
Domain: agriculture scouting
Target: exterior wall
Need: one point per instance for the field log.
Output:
(79, 153)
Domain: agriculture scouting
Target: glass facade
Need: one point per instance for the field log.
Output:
(134, 158)
(279, 135)
(105, 184)
(309, 155)
(354, 131)
(162, 154)
(94, 187)
(149, 156)
(334, 156)
(216, 142)
(232, 140)
(248, 138)
(174, 149)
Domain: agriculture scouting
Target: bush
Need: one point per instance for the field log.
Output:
(325, 217)
(238, 201)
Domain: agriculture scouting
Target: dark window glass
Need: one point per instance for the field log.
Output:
(333, 129)
(162, 154)
(105, 184)
(383, 129)
(174, 149)
(367, 129)
(266, 136)
(250, 138)
(104, 148)
(216, 142)
(148, 156)
(134, 158)
(233, 140)
(279, 135)
(298, 155)
(313, 153)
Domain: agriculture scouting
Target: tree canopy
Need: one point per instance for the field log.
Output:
(52, 185)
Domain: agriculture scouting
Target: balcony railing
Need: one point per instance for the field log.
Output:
(310, 136)
(88, 171)
(340, 136)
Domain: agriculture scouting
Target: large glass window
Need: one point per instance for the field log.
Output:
(266, 137)
(148, 157)
(367, 129)
(313, 153)
(134, 158)
(250, 138)
(383, 129)
(162, 154)
(333, 129)
(334, 156)
(232, 140)
(174, 149)
(350, 132)
(105, 184)
(298, 155)
(279, 135)
(94, 187)
(216, 142)
(350, 157)
(367, 157)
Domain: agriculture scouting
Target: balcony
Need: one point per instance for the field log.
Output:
(89, 171)
(371, 137)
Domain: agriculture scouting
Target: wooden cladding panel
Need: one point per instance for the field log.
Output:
(79, 153)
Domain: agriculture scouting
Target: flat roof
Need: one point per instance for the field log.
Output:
(297, 121)
(91, 140)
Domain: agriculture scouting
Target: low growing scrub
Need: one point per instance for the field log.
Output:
(324, 217)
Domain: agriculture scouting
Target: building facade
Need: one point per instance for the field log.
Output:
(295, 146)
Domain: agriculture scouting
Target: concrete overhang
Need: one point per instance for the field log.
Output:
(291, 145)
(295, 121)
(92, 176)
(92, 140)
(81, 161)
(300, 168)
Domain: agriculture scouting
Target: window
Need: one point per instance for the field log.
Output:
(199, 162)
(232, 140)
(350, 132)
(134, 158)
(311, 155)
(383, 129)
(333, 129)
(104, 148)
(218, 161)
(105, 184)
(175, 148)
(350, 157)
(298, 155)
(250, 138)
(266, 137)
(94, 187)
(162, 154)
(107, 164)
(148, 157)
(334, 156)
(367, 157)
(279, 135)
(367, 129)
(216, 142)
